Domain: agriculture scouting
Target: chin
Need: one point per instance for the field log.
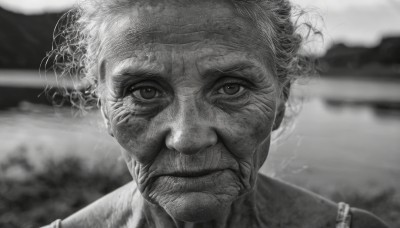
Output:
(195, 199)
(197, 206)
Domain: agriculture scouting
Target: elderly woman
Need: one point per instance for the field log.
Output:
(191, 90)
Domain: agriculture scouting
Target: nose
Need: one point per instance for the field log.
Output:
(190, 139)
(190, 133)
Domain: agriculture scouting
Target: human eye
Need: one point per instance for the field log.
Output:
(231, 87)
(146, 91)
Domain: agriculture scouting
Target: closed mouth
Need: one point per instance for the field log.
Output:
(195, 174)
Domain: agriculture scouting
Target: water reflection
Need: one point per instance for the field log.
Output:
(347, 136)
(380, 108)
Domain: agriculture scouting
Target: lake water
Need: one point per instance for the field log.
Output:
(346, 144)
(346, 136)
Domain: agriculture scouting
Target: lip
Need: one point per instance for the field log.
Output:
(193, 181)
(201, 173)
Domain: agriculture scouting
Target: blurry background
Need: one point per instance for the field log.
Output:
(345, 142)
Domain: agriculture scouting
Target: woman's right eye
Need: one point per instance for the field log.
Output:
(145, 92)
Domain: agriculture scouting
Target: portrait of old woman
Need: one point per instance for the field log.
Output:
(191, 90)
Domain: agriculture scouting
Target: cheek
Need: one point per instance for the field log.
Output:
(132, 131)
(131, 135)
(248, 130)
(139, 147)
(142, 138)
(135, 134)
(246, 134)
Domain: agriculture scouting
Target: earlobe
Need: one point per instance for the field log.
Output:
(106, 120)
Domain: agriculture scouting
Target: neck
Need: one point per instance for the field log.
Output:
(242, 213)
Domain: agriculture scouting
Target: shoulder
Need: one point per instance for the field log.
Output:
(289, 194)
(298, 207)
(364, 219)
(112, 210)
(294, 206)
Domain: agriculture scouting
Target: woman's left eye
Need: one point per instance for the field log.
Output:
(146, 93)
(230, 89)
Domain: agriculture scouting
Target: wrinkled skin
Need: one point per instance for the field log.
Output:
(189, 96)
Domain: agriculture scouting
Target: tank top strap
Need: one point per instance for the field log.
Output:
(343, 219)
(55, 224)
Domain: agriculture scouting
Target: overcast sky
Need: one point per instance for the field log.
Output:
(353, 21)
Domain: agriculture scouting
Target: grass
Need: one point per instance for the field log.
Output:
(63, 187)
(60, 189)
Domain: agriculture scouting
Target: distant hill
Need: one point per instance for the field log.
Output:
(381, 60)
(25, 39)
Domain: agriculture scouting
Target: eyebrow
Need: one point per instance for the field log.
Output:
(127, 76)
(130, 69)
(246, 68)
(255, 73)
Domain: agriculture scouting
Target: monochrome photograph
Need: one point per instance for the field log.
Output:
(200, 113)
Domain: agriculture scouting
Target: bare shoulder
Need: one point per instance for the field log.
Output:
(294, 206)
(298, 207)
(111, 210)
(364, 219)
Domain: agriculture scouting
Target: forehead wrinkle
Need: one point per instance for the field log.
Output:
(228, 33)
(136, 28)
(233, 61)
(135, 65)
(120, 50)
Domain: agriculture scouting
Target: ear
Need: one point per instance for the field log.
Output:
(104, 113)
(103, 108)
(279, 115)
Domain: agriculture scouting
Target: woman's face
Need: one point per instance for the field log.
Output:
(189, 97)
